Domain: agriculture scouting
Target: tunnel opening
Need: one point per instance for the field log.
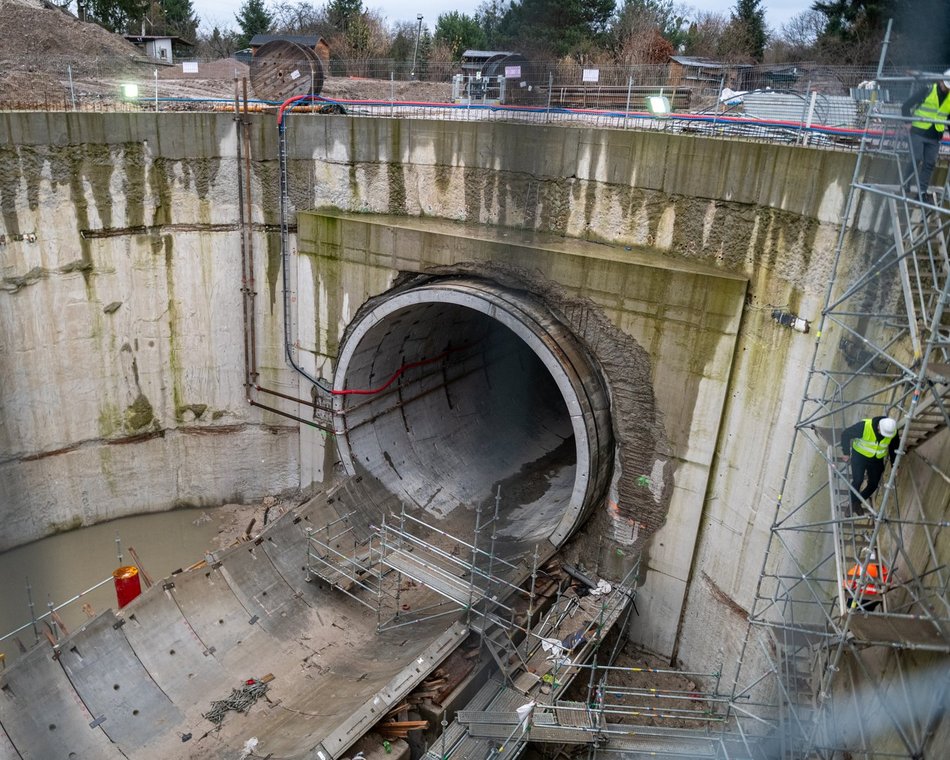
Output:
(450, 390)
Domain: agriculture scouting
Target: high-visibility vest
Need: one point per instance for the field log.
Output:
(874, 571)
(868, 444)
(935, 112)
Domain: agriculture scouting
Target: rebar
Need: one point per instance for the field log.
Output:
(241, 700)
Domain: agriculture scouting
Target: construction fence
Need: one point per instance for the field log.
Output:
(823, 106)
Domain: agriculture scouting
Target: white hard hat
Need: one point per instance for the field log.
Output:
(946, 79)
(887, 427)
(872, 557)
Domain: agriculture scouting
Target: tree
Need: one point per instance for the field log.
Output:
(798, 37)
(557, 27)
(300, 18)
(424, 54)
(365, 37)
(173, 17)
(746, 35)
(703, 36)
(490, 16)
(220, 44)
(402, 41)
(341, 13)
(647, 31)
(459, 33)
(253, 18)
(853, 29)
(118, 15)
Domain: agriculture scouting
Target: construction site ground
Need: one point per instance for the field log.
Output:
(42, 46)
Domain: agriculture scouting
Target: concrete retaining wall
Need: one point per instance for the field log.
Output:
(80, 375)
(121, 370)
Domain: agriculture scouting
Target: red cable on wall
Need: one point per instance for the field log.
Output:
(393, 377)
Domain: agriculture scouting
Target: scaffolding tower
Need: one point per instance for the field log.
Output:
(851, 616)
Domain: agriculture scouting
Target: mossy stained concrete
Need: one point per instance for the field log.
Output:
(766, 213)
(123, 315)
(686, 314)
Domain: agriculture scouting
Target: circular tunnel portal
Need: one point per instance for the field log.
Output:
(450, 389)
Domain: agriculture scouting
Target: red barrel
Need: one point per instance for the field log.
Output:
(127, 584)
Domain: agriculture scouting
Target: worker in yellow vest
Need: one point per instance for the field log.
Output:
(865, 584)
(929, 107)
(866, 444)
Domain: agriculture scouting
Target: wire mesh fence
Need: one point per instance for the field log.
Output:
(815, 104)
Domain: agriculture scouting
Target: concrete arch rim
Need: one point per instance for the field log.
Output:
(517, 314)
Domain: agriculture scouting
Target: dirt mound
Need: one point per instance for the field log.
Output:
(38, 38)
(345, 88)
(42, 46)
(227, 69)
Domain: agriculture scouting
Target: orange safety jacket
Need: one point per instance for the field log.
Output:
(874, 571)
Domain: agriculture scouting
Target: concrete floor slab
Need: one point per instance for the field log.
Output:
(42, 714)
(174, 655)
(115, 686)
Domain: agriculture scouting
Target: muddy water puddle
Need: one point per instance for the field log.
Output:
(60, 567)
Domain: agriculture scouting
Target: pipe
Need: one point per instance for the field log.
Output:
(245, 215)
(311, 404)
(393, 377)
(578, 575)
(284, 237)
(244, 240)
(289, 416)
(251, 293)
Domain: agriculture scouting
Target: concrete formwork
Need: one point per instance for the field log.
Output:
(44, 716)
(133, 711)
(170, 649)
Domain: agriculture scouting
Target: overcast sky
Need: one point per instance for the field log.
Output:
(221, 12)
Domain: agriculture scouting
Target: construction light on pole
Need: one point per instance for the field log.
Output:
(415, 50)
(659, 105)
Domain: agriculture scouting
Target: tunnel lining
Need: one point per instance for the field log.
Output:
(578, 383)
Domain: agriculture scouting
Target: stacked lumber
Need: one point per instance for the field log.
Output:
(396, 724)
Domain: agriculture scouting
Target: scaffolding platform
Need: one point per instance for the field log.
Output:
(900, 632)
(441, 580)
(888, 323)
(544, 728)
(655, 741)
(489, 725)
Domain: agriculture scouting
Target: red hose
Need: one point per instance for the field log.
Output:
(393, 377)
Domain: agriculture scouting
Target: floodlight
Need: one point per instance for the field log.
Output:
(130, 91)
(659, 105)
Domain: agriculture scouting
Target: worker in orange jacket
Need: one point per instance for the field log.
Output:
(866, 583)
